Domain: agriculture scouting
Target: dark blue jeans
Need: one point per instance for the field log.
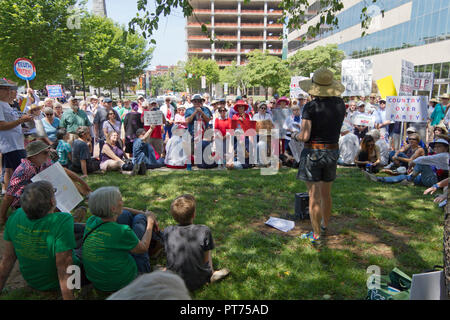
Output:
(401, 155)
(138, 223)
(425, 176)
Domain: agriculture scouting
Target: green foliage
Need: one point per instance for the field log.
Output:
(36, 30)
(235, 76)
(305, 62)
(199, 67)
(106, 45)
(267, 71)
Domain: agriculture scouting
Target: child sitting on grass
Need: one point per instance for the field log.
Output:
(63, 149)
(188, 246)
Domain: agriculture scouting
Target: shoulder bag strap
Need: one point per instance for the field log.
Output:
(93, 229)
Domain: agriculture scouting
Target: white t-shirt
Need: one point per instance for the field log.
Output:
(348, 148)
(259, 117)
(12, 139)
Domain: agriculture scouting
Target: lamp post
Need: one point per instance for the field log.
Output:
(122, 66)
(81, 56)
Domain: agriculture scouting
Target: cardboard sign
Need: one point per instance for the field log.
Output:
(264, 125)
(386, 87)
(364, 120)
(55, 91)
(67, 196)
(410, 80)
(407, 108)
(407, 78)
(295, 89)
(153, 118)
(356, 76)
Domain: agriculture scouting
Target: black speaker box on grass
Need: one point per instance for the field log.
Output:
(302, 206)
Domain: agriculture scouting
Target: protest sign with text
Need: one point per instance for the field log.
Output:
(364, 120)
(357, 77)
(295, 90)
(153, 118)
(411, 80)
(55, 91)
(67, 196)
(407, 108)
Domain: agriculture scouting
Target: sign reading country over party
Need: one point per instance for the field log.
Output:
(407, 108)
(55, 91)
(24, 69)
(357, 77)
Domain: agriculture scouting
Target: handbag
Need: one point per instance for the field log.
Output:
(128, 165)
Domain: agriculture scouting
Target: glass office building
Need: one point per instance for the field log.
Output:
(427, 23)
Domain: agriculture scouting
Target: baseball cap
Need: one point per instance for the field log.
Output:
(411, 129)
(443, 141)
(107, 100)
(360, 104)
(6, 83)
(197, 97)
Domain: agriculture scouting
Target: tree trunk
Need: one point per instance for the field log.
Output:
(266, 91)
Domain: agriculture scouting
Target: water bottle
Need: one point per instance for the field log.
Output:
(368, 166)
(189, 167)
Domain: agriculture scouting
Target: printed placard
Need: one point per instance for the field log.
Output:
(55, 91)
(364, 120)
(153, 118)
(356, 77)
(67, 196)
(407, 108)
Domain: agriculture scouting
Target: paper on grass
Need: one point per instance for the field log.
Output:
(281, 224)
(67, 196)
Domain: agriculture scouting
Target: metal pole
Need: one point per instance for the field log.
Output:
(82, 77)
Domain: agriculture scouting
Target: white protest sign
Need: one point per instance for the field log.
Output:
(356, 77)
(153, 118)
(67, 196)
(364, 120)
(407, 108)
(423, 81)
(225, 88)
(295, 90)
(410, 80)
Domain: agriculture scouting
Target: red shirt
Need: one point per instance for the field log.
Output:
(247, 123)
(222, 125)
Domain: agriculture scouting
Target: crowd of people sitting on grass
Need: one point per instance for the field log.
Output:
(115, 244)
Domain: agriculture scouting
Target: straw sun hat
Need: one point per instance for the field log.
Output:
(322, 84)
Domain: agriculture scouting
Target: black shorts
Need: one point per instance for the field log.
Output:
(11, 160)
(318, 165)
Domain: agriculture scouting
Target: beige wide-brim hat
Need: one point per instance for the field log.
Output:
(444, 96)
(322, 84)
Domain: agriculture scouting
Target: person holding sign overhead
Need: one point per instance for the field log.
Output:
(320, 130)
(156, 136)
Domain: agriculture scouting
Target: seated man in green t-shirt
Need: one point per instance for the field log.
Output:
(41, 239)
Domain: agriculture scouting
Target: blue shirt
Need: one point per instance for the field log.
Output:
(189, 113)
(50, 129)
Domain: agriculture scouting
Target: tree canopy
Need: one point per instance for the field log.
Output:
(196, 68)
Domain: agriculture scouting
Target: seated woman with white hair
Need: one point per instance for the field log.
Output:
(348, 146)
(116, 241)
(382, 145)
(158, 285)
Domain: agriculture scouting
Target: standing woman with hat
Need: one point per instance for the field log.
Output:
(439, 110)
(320, 130)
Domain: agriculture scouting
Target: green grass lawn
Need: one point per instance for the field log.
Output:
(372, 224)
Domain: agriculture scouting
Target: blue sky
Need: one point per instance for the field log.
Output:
(170, 36)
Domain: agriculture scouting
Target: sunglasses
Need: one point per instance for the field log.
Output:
(263, 108)
(222, 110)
(110, 114)
(49, 114)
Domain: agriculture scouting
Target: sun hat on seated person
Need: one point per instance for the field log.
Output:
(434, 100)
(322, 84)
(444, 96)
(240, 103)
(411, 130)
(441, 126)
(443, 141)
(197, 97)
(36, 147)
(285, 99)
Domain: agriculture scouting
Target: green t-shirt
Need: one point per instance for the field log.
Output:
(36, 243)
(106, 255)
